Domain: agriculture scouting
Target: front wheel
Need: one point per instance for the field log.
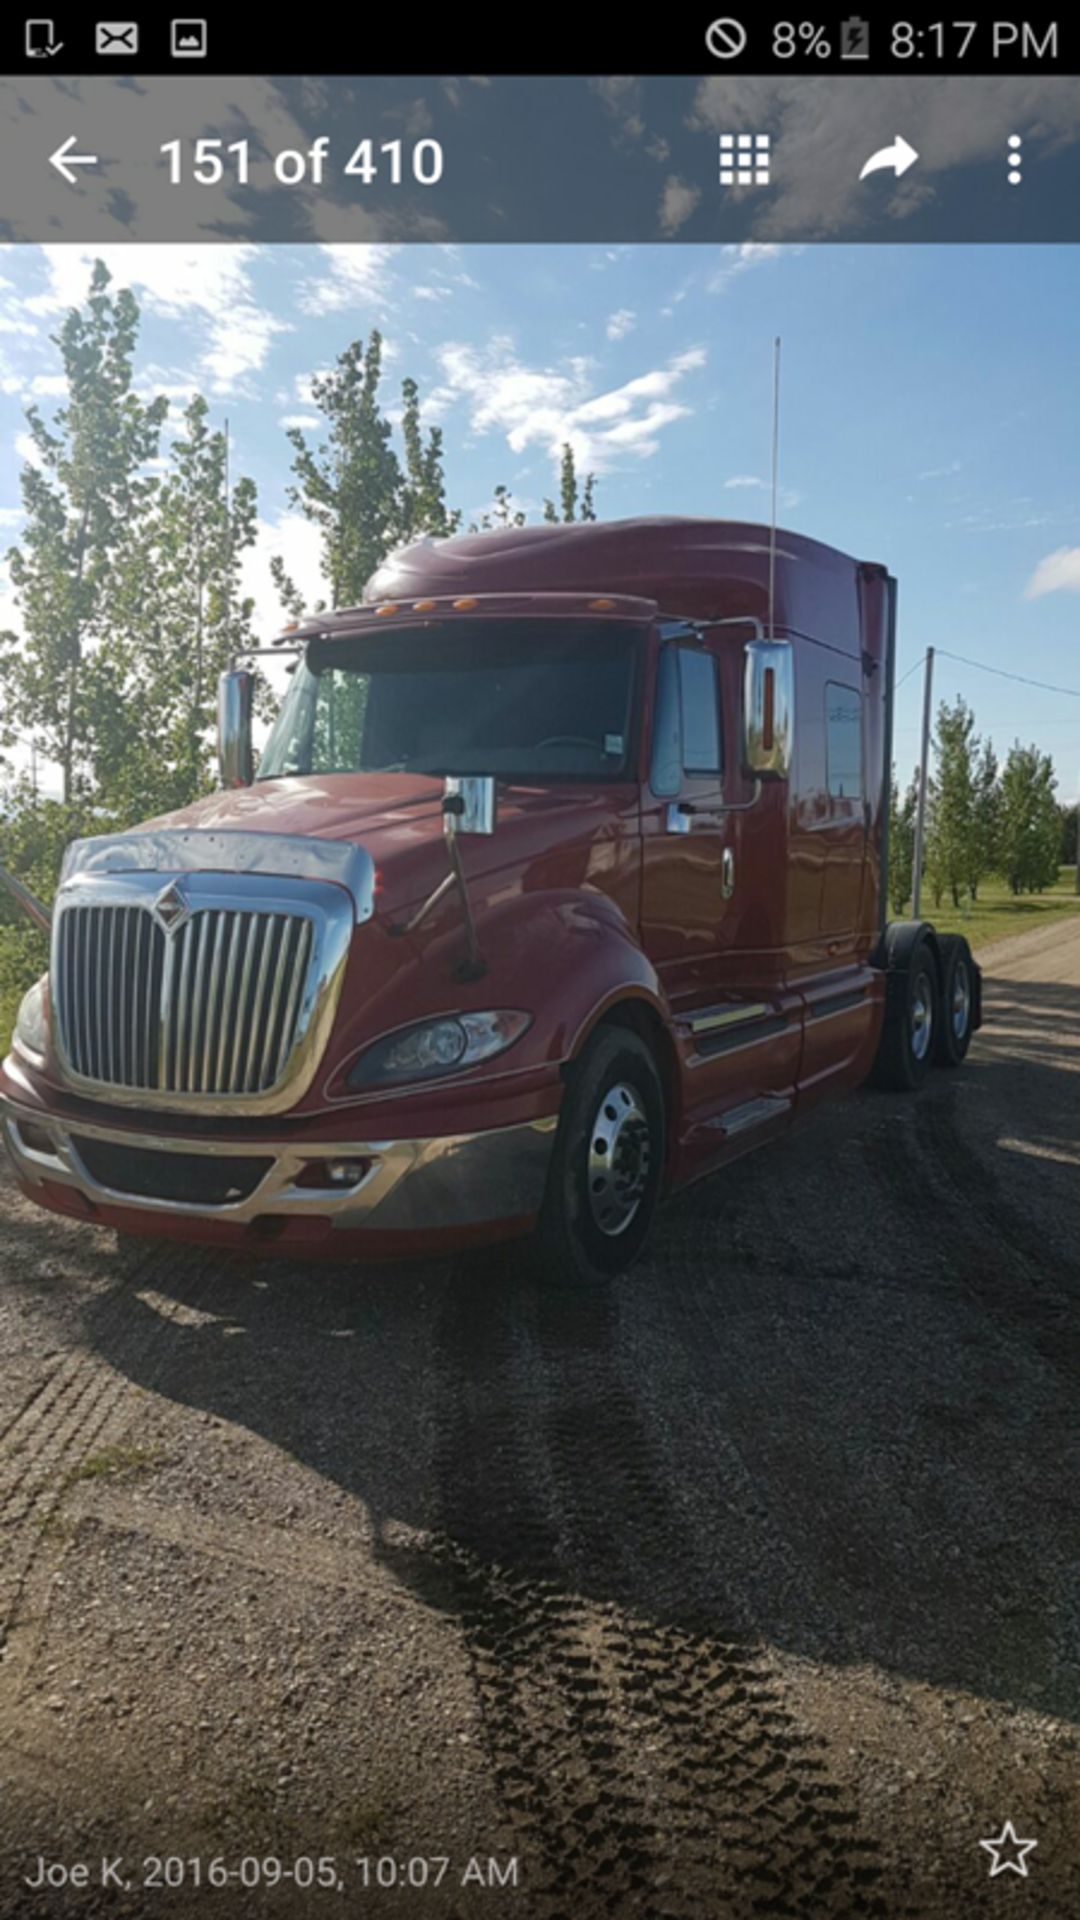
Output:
(607, 1166)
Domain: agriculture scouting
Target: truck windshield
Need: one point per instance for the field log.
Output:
(524, 699)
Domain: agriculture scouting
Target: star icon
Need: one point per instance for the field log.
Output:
(1008, 1838)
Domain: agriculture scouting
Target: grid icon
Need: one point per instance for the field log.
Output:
(745, 159)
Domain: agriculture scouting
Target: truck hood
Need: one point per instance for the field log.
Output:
(329, 806)
(397, 819)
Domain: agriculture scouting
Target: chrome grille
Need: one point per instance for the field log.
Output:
(216, 1008)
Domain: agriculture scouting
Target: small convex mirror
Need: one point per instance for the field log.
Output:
(769, 709)
(469, 803)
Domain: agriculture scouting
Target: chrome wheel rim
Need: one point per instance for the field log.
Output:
(960, 1010)
(620, 1156)
(922, 1016)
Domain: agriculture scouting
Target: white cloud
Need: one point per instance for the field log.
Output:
(943, 473)
(753, 483)
(38, 386)
(1059, 572)
(11, 516)
(547, 407)
(358, 275)
(307, 422)
(621, 323)
(737, 260)
(677, 203)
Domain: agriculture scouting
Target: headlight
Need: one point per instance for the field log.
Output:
(437, 1047)
(32, 1024)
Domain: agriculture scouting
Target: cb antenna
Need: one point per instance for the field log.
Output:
(775, 486)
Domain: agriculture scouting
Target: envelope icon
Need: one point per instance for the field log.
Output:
(116, 36)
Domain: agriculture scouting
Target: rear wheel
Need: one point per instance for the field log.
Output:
(907, 1043)
(956, 1024)
(607, 1165)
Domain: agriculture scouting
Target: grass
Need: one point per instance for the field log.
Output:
(997, 915)
(121, 1461)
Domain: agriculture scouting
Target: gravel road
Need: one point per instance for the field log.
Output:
(746, 1589)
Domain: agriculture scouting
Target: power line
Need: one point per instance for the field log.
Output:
(907, 676)
(1071, 693)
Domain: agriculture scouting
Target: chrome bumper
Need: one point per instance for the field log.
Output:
(457, 1180)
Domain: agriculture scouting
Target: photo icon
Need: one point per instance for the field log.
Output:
(189, 39)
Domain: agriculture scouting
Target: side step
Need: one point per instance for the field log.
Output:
(753, 1113)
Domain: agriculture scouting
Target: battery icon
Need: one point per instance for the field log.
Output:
(854, 40)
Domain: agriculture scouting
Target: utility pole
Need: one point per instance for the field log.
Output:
(924, 764)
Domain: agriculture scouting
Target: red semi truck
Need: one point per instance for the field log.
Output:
(561, 882)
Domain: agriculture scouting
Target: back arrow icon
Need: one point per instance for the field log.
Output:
(900, 156)
(63, 160)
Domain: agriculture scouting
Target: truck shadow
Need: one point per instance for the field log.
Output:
(832, 1415)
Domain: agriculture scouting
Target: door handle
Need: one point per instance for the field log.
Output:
(727, 874)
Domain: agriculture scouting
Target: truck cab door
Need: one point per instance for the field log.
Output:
(738, 1032)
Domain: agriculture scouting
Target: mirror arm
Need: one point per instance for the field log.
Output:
(473, 967)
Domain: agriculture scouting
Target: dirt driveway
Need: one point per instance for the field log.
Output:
(747, 1589)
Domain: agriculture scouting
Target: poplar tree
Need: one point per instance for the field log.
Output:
(84, 487)
(902, 842)
(353, 486)
(567, 511)
(953, 855)
(1030, 825)
(178, 615)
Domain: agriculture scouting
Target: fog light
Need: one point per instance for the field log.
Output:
(333, 1173)
(36, 1139)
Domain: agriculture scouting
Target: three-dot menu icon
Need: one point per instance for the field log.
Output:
(745, 159)
(1015, 158)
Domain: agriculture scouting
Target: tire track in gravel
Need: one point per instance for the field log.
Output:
(643, 1753)
(792, 1843)
(79, 1408)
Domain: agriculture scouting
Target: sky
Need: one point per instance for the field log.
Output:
(928, 415)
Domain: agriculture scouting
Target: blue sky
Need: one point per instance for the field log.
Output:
(929, 406)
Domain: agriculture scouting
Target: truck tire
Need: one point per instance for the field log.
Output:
(956, 1023)
(912, 1013)
(607, 1165)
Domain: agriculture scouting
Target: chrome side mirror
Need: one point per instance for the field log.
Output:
(235, 699)
(769, 701)
(469, 804)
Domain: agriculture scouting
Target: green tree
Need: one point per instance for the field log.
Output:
(953, 842)
(986, 820)
(423, 508)
(1030, 827)
(353, 486)
(902, 842)
(1068, 853)
(568, 509)
(177, 616)
(83, 490)
(501, 515)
